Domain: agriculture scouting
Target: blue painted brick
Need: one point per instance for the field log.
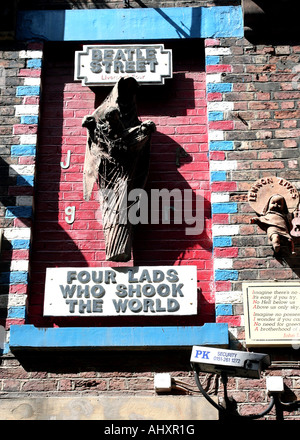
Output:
(16, 312)
(212, 60)
(219, 87)
(18, 211)
(34, 63)
(18, 277)
(29, 119)
(224, 309)
(20, 243)
(218, 176)
(28, 91)
(215, 116)
(25, 180)
(23, 150)
(225, 275)
(224, 241)
(221, 145)
(224, 208)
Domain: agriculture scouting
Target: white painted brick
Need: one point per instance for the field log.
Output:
(223, 165)
(28, 139)
(30, 54)
(215, 135)
(213, 78)
(230, 297)
(219, 197)
(19, 265)
(26, 110)
(217, 51)
(24, 170)
(12, 300)
(17, 233)
(233, 335)
(16, 300)
(32, 81)
(220, 106)
(220, 230)
(223, 263)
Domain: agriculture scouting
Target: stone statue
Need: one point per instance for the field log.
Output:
(117, 158)
(275, 220)
(274, 199)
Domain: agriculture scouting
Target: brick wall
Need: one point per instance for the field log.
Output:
(253, 93)
(250, 130)
(255, 96)
(179, 111)
(20, 90)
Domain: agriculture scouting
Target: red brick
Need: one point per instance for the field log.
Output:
(212, 42)
(214, 97)
(223, 286)
(219, 68)
(33, 73)
(217, 155)
(223, 186)
(230, 252)
(221, 125)
(231, 320)
(220, 219)
(25, 129)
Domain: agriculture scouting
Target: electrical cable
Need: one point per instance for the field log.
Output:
(210, 400)
(222, 409)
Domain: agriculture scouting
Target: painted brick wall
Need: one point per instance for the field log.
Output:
(254, 114)
(20, 92)
(253, 117)
(253, 95)
(179, 111)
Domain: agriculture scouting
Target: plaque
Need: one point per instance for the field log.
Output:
(272, 313)
(121, 291)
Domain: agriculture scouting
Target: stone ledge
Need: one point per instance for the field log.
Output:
(111, 408)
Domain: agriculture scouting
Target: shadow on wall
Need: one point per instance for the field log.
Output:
(275, 22)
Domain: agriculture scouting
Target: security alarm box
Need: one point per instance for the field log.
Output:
(231, 362)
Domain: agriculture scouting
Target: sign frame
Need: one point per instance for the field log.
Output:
(269, 305)
(121, 291)
(138, 56)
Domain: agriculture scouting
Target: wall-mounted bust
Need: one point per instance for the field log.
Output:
(274, 200)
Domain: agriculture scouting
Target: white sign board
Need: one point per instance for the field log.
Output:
(105, 65)
(120, 291)
(272, 313)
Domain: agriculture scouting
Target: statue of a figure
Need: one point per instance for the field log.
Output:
(274, 200)
(275, 220)
(117, 157)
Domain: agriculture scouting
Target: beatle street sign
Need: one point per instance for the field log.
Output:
(272, 313)
(105, 65)
(118, 291)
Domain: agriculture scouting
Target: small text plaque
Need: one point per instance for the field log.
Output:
(272, 313)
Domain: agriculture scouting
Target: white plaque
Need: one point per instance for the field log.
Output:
(272, 313)
(105, 65)
(121, 291)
